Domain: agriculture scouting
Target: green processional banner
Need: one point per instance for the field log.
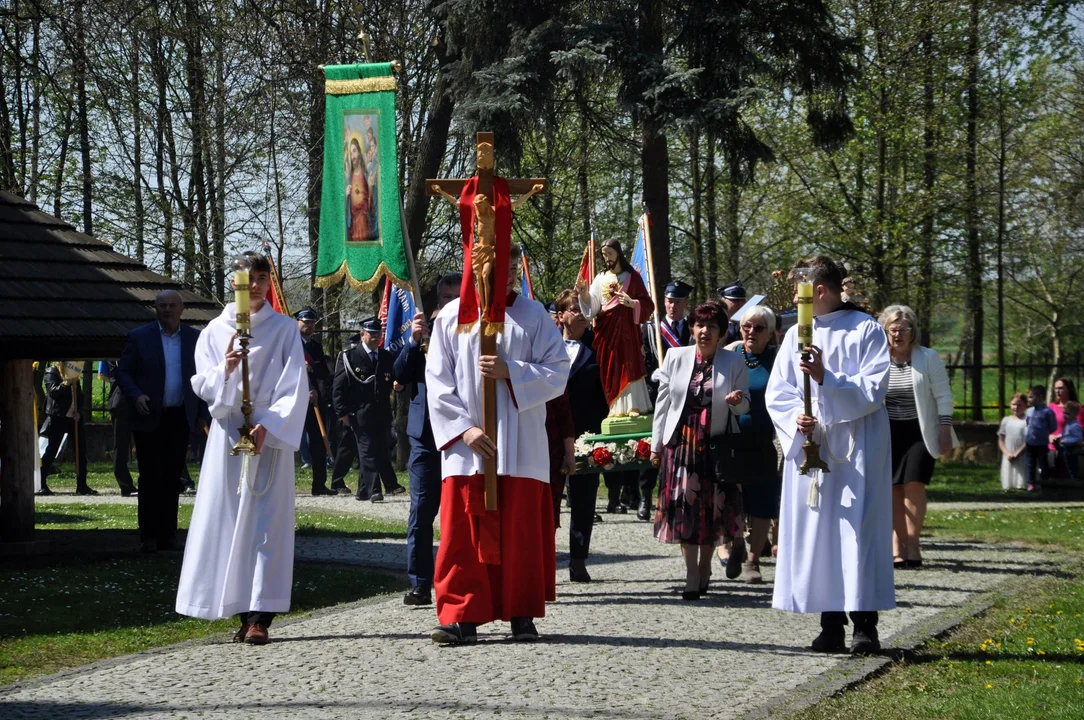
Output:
(361, 235)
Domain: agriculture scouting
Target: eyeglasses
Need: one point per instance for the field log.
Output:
(754, 328)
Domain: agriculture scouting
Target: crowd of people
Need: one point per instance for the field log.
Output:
(722, 383)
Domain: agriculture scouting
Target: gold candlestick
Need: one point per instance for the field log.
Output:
(240, 269)
(805, 340)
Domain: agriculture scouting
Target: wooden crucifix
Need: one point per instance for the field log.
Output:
(483, 263)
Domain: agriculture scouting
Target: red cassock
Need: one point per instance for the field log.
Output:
(521, 534)
(618, 341)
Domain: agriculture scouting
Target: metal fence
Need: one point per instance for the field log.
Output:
(1020, 374)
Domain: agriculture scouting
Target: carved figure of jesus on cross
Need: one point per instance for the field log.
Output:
(485, 210)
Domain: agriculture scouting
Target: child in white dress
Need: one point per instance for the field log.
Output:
(1010, 440)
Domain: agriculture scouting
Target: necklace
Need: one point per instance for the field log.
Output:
(751, 364)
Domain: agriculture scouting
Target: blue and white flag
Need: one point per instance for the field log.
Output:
(401, 311)
(638, 259)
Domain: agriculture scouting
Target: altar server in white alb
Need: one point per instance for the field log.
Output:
(498, 565)
(835, 542)
(240, 552)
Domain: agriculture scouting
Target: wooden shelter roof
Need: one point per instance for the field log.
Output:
(66, 295)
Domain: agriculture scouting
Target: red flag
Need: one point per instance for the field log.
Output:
(384, 310)
(275, 297)
(587, 264)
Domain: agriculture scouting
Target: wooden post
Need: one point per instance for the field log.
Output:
(18, 451)
(488, 347)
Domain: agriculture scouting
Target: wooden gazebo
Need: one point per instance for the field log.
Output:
(63, 295)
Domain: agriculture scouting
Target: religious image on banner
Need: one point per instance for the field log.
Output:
(361, 162)
(361, 232)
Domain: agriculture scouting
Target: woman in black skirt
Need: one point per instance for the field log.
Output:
(919, 404)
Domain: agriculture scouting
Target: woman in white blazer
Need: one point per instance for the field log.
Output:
(701, 389)
(919, 404)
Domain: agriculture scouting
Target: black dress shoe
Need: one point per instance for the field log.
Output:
(523, 629)
(397, 490)
(913, 564)
(343, 490)
(361, 497)
(44, 492)
(598, 518)
(735, 559)
(129, 493)
(577, 572)
(644, 511)
(414, 597)
(690, 595)
(455, 634)
(616, 508)
(865, 641)
(830, 640)
(85, 490)
(189, 489)
(321, 490)
(376, 498)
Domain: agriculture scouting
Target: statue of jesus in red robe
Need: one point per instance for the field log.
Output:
(618, 301)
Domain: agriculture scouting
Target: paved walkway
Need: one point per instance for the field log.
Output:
(624, 646)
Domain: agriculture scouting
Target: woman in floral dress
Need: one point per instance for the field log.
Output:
(701, 390)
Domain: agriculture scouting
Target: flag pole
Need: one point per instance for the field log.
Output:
(646, 224)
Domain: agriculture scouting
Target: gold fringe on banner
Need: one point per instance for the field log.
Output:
(325, 281)
(360, 85)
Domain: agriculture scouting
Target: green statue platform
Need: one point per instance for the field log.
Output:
(627, 425)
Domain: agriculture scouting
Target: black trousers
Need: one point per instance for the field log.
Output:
(648, 479)
(375, 459)
(316, 449)
(582, 494)
(122, 448)
(345, 455)
(257, 618)
(863, 619)
(617, 481)
(58, 427)
(425, 487)
(162, 454)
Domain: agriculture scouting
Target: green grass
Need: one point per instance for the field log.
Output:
(101, 516)
(88, 608)
(1024, 658)
(62, 617)
(100, 477)
(966, 482)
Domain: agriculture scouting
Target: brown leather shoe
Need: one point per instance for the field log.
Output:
(239, 636)
(256, 635)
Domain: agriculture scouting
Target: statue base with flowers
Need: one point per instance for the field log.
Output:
(612, 453)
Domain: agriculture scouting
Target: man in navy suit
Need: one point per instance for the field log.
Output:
(425, 476)
(155, 374)
(589, 408)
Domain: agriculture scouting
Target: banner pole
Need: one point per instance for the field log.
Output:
(646, 224)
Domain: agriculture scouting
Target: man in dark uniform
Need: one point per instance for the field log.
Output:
(425, 477)
(361, 397)
(319, 393)
(346, 449)
(122, 433)
(733, 297)
(675, 331)
(61, 419)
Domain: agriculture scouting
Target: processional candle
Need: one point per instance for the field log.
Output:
(240, 294)
(805, 307)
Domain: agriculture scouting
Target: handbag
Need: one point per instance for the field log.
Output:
(732, 458)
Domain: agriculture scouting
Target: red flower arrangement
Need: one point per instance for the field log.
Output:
(603, 457)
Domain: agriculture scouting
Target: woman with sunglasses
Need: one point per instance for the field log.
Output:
(760, 495)
(701, 390)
